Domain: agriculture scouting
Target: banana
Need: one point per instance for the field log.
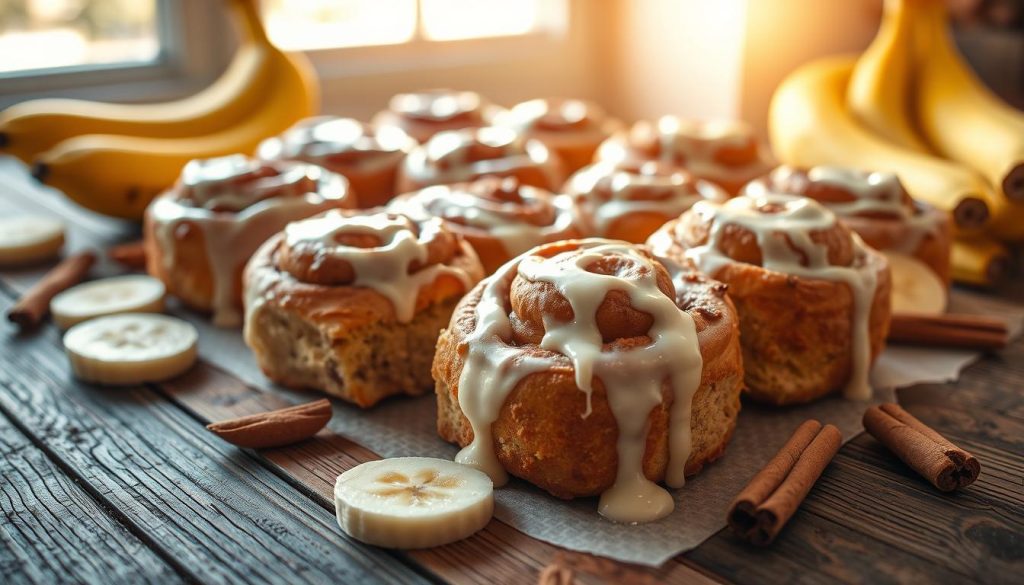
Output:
(119, 294)
(123, 350)
(880, 85)
(915, 287)
(413, 502)
(29, 128)
(960, 117)
(29, 240)
(979, 261)
(810, 124)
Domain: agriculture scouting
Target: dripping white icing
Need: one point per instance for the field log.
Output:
(384, 268)
(236, 214)
(447, 157)
(329, 141)
(797, 218)
(633, 379)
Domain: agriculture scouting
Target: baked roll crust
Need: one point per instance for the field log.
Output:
(571, 128)
(500, 217)
(813, 299)
(459, 156)
(367, 157)
(590, 367)
(199, 234)
(351, 304)
(631, 200)
(725, 152)
(422, 114)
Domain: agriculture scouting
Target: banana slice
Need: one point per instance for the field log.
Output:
(134, 293)
(915, 287)
(413, 502)
(129, 349)
(28, 240)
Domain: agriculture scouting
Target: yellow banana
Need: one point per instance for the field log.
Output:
(961, 118)
(879, 92)
(119, 175)
(979, 261)
(810, 124)
(32, 127)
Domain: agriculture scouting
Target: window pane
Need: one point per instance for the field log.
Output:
(466, 19)
(38, 34)
(320, 24)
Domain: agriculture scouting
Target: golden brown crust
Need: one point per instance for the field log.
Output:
(540, 435)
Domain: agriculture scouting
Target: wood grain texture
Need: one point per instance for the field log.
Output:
(207, 508)
(54, 532)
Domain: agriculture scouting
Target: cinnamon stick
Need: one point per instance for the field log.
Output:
(760, 511)
(130, 255)
(34, 305)
(556, 574)
(951, 330)
(942, 463)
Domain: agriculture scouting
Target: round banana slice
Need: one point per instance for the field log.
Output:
(413, 502)
(915, 287)
(28, 240)
(123, 350)
(134, 293)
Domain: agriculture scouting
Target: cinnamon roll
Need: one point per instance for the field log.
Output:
(368, 158)
(725, 152)
(590, 367)
(572, 129)
(458, 156)
(873, 204)
(630, 201)
(199, 234)
(351, 304)
(499, 217)
(813, 299)
(423, 114)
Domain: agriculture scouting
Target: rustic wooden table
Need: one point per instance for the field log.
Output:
(110, 486)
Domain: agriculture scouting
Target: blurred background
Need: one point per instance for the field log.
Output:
(639, 58)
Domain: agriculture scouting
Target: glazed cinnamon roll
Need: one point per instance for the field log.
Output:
(630, 201)
(813, 299)
(590, 367)
(368, 158)
(724, 152)
(351, 304)
(572, 129)
(463, 155)
(915, 236)
(199, 234)
(499, 217)
(423, 114)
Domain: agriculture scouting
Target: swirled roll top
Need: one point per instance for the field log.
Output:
(594, 325)
(631, 200)
(422, 114)
(572, 128)
(500, 216)
(726, 152)
(463, 155)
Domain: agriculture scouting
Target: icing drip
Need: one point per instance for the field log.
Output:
(794, 253)
(633, 378)
(387, 268)
(459, 155)
(344, 142)
(237, 203)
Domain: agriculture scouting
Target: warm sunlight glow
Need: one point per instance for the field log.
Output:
(445, 20)
(322, 24)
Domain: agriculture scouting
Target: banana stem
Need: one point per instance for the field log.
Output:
(979, 261)
(246, 13)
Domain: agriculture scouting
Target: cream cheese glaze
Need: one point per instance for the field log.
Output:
(338, 142)
(784, 237)
(633, 379)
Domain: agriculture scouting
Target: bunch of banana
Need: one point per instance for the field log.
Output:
(114, 158)
(910, 105)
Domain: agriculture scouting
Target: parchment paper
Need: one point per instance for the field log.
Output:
(405, 427)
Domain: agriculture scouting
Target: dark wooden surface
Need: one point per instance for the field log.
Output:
(110, 486)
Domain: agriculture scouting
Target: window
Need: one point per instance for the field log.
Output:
(323, 24)
(48, 34)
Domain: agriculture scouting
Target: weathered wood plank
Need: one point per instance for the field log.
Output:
(54, 532)
(212, 509)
